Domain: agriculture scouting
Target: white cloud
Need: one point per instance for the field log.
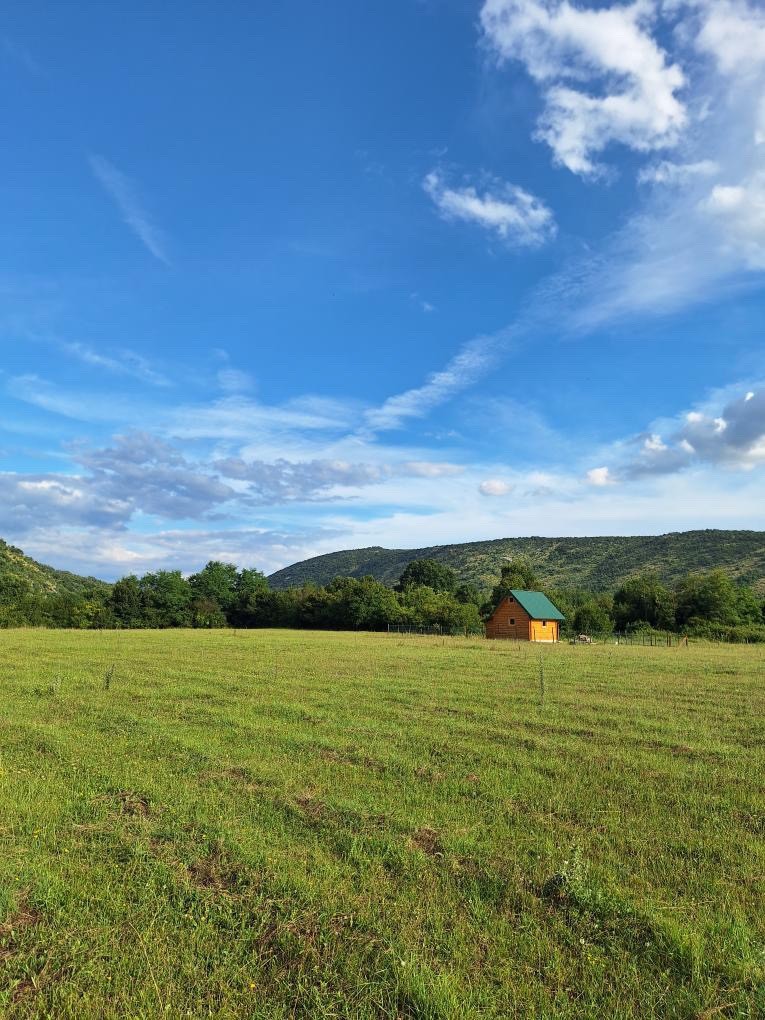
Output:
(233, 380)
(467, 366)
(495, 487)
(670, 173)
(120, 362)
(731, 437)
(739, 210)
(733, 33)
(599, 476)
(654, 443)
(610, 47)
(430, 469)
(124, 193)
(505, 209)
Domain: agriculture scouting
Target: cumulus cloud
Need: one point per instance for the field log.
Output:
(505, 209)
(148, 475)
(125, 195)
(610, 48)
(495, 487)
(733, 438)
(739, 210)
(733, 33)
(283, 481)
(599, 476)
(34, 501)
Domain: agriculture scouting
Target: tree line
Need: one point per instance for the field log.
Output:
(428, 595)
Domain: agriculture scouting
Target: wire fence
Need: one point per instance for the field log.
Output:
(652, 639)
(435, 630)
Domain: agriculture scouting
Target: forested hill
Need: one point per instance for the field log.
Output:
(21, 576)
(597, 564)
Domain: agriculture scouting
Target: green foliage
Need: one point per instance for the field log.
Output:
(468, 594)
(126, 602)
(216, 583)
(711, 597)
(644, 600)
(598, 564)
(519, 575)
(705, 603)
(427, 573)
(594, 617)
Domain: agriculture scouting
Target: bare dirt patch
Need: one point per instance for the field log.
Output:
(351, 757)
(26, 916)
(215, 873)
(127, 802)
(428, 841)
(311, 806)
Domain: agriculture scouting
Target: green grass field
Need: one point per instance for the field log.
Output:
(274, 824)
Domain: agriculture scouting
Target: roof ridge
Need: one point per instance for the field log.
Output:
(537, 604)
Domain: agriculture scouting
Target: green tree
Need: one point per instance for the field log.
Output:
(216, 582)
(364, 604)
(207, 613)
(429, 574)
(250, 584)
(166, 597)
(710, 596)
(646, 600)
(424, 607)
(518, 575)
(749, 607)
(593, 617)
(126, 602)
(468, 594)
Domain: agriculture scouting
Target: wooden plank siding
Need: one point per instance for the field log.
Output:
(510, 620)
(544, 630)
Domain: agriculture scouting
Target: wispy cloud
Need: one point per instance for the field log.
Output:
(511, 213)
(15, 52)
(234, 380)
(672, 174)
(467, 366)
(124, 362)
(122, 190)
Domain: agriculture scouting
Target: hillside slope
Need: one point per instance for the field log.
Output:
(20, 575)
(598, 564)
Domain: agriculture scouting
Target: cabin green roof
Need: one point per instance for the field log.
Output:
(537, 605)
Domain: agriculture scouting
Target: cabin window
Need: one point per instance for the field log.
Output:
(544, 623)
(512, 621)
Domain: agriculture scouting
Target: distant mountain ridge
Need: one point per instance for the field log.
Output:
(20, 575)
(597, 564)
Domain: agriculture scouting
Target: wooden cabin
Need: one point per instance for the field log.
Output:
(525, 616)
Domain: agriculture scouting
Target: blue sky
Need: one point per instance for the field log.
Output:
(282, 278)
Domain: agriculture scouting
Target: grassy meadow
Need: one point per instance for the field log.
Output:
(273, 824)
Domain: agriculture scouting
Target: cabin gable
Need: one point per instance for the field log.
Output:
(509, 620)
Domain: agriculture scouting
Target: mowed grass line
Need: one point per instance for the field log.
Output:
(275, 824)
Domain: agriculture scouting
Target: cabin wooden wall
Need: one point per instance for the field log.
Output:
(548, 633)
(499, 626)
(522, 627)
